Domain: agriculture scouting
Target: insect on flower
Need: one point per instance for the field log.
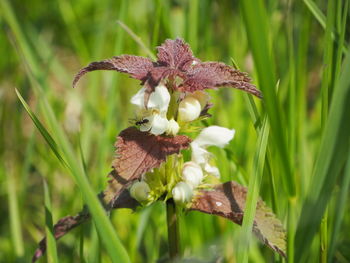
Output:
(149, 164)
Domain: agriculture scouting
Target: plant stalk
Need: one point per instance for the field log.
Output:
(173, 230)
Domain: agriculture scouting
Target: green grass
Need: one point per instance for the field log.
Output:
(298, 160)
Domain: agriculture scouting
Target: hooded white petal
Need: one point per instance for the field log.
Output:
(159, 124)
(189, 109)
(182, 192)
(173, 128)
(138, 98)
(140, 191)
(192, 174)
(214, 135)
(159, 99)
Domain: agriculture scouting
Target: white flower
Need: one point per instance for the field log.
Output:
(156, 110)
(214, 135)
(189, 109)
(192, 174)
(140, 191)
(182, 192)
(210, 136)
(173, 127)
(159, 99)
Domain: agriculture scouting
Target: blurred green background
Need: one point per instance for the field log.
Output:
(295, 47)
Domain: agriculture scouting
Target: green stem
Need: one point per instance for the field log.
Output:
(173, 230)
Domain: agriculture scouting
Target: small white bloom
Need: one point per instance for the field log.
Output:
(140, 191)
(192, 174)
(189, 109)
(214, 135)
(157, 107)
(212, 170)
(173, 127)
(159, 124)
(182, 192)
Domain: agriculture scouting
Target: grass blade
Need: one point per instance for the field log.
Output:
(253, 192)
(331, 157)
(50, 239)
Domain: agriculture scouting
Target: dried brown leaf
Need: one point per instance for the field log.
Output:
(137, 67)
(209, 75)
(228, 200)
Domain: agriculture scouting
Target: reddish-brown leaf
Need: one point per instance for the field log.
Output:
(175, 54)
(209, 75)
(68, 223)
(62, 227)
(139, 152)
(228, 200)
(137, 67)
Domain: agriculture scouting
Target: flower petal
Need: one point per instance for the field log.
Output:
(192, 174)
(214, 135)
(139, 97)
(182, 192)
(159, 99)
(159, 125)
(199, 155)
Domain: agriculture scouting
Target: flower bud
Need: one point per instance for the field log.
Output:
(140, 191)
(214, 135)
(182, 193)
(212, 170)
(189, 109)
(173, 127)
(192, 174)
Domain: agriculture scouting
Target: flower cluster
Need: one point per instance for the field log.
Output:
(171, 100)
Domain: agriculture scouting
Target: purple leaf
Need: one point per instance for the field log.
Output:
(137, 67)
(175, 54)
(209, 75)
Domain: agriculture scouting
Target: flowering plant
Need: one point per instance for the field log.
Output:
(149, 165)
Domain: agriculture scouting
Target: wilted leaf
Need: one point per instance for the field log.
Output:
(175, 54)
(228, 200)
(209, 75)
(68, 223)
(137, 67)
